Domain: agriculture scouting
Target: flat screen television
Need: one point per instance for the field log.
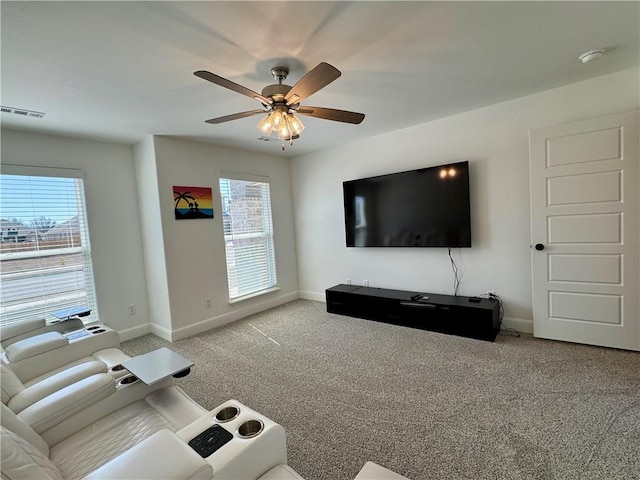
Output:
(427, 207)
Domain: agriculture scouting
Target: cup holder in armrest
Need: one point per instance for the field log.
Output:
(128, 380)
(100, 330)
(250, 428)
(117, 368)
(183, 373)
(227, 414)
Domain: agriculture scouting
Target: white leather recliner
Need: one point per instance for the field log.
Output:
(18, 396)
(14, 332)
(49, 363)
(85, 441)
(142, 440)
(36, 351)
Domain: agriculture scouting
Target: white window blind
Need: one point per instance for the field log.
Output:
(45, 255)
(248, 235)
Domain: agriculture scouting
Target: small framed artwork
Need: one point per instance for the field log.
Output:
(192, 202)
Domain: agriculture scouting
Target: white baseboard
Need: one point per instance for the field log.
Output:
(140, 330)
(134, 332)
(162, 332)
(204, 325)
(519, 324)
(209, 323)
(318, 297)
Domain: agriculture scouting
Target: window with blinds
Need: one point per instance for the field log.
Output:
(248, 235)
(45, 255)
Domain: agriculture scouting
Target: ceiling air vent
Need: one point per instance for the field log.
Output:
(22, 112)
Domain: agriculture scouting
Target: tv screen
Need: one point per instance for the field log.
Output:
(428, 207)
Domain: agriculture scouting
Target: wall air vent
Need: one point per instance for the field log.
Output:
(22, 112)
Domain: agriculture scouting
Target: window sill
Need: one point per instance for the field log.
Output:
(252, 295)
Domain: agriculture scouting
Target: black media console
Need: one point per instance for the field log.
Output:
(465, 316)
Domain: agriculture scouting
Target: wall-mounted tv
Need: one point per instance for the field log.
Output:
(428, 207)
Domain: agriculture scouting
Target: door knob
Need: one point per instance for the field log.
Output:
(539, 247)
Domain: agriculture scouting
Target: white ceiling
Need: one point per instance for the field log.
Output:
(120, 71)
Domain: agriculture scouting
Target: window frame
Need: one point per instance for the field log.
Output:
(269, 235)
(84, 249)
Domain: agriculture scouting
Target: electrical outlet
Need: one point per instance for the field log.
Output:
(365, 283)
(207, 303)
(131, 309)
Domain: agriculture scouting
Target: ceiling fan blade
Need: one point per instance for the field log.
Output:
(235, 116)
(321, 76)
(331, 114)
(223, 82)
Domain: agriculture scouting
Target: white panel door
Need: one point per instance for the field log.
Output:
(585, 227)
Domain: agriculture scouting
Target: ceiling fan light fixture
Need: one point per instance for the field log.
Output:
(295, 124)
(290, 127)
(279, 120)
(266, 124)
(285, 124)
(284, 133)
(273, 122)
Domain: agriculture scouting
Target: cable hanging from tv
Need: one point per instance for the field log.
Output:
(456, 279)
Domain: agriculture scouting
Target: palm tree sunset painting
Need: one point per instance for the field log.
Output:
(192, 202)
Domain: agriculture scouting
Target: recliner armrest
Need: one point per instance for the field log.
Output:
(34, 393)
(162, 455)
(32, 346)
(68, 401)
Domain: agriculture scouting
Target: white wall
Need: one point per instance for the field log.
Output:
(114, 223)
(194, 249)
(495, 141)
(152, 239)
